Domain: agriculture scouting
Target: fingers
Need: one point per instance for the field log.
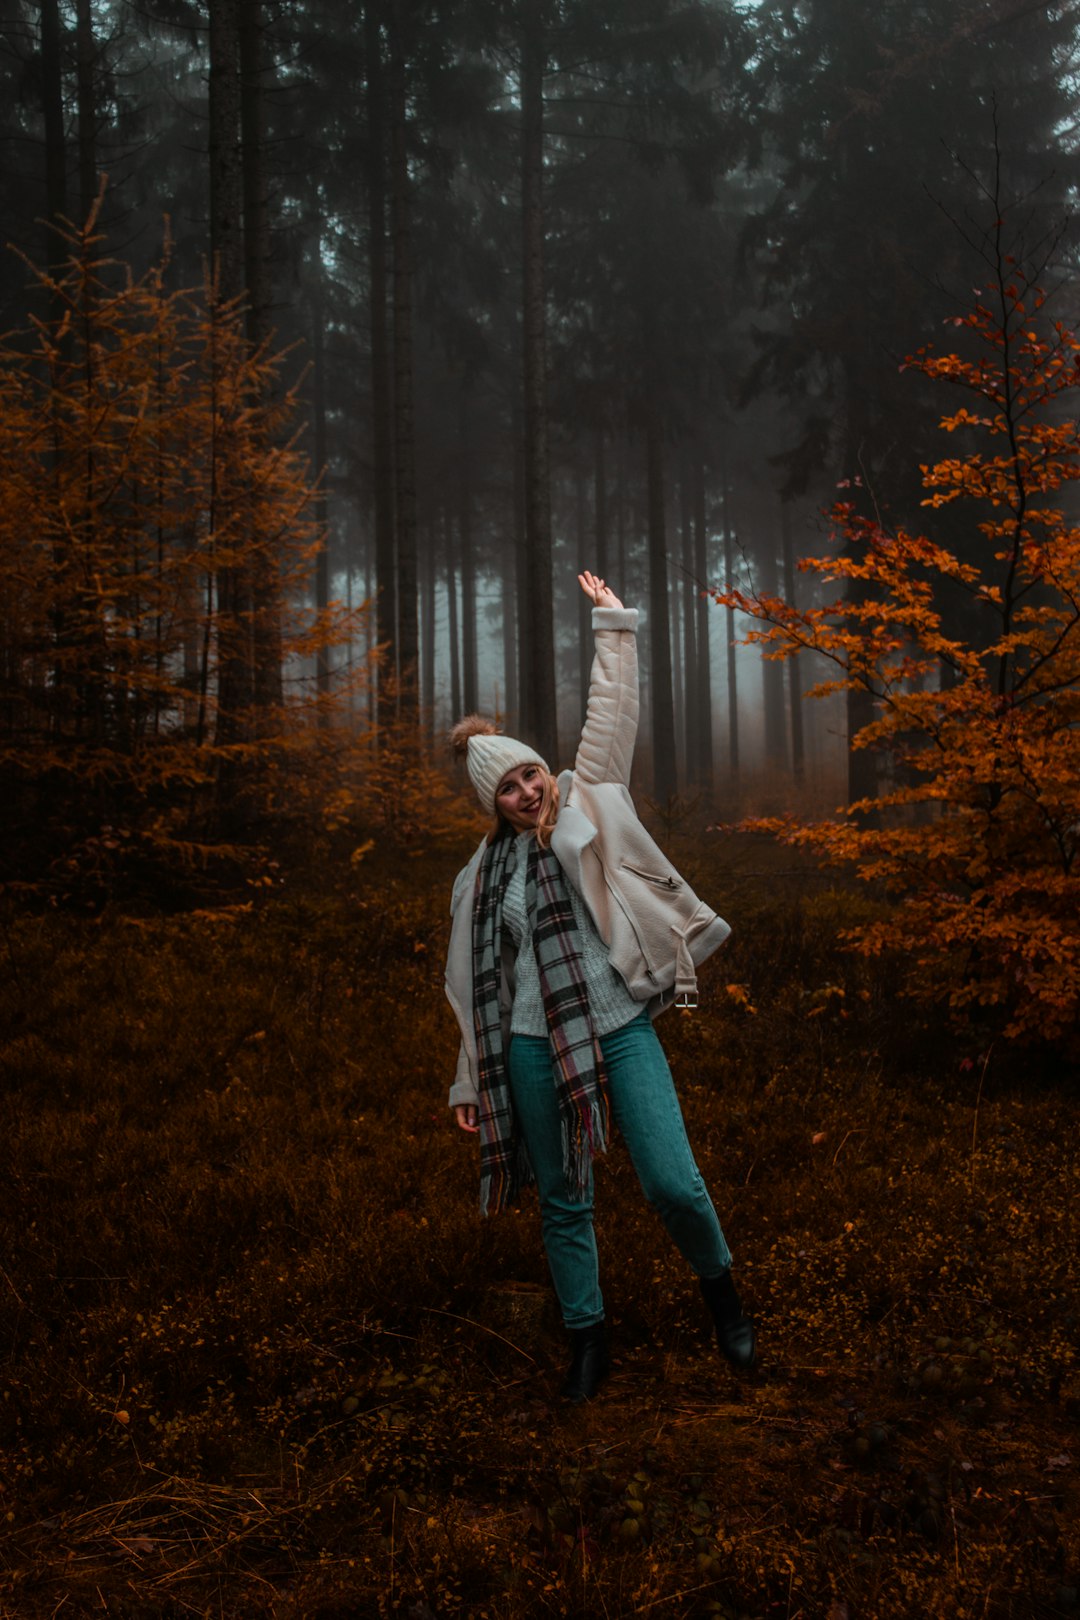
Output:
(593, 586)
(465, 1114)
(601, 593)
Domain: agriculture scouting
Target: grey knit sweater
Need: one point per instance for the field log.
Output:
(610, 1001)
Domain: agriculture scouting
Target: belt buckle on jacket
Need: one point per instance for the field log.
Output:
(686, 1000)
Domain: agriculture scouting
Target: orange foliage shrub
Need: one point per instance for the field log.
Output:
(979, 831)
(148, 461)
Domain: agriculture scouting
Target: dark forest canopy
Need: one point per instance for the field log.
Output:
(618, 282)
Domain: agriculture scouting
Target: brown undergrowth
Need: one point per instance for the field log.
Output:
(262, 1358)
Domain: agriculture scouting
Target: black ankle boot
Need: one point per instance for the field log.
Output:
(590, 1363)
(735, 1335)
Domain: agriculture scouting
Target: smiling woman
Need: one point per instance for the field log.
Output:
(511, 780)
(520, 795)
(570, 933)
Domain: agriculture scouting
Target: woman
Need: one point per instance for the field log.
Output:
(570, 932)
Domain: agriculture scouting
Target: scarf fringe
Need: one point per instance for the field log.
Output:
(500, 1187)
(582, 1138)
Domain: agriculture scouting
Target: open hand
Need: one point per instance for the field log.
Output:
(600, 593)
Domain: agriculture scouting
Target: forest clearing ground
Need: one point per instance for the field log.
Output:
(255, 1361)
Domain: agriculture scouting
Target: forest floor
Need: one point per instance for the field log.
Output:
(261, 1357)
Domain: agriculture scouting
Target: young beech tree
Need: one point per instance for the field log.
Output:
(143, 456)
(981, 844)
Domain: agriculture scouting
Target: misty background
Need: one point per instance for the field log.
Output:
(625, 284)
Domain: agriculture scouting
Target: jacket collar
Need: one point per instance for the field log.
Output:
(573, 834)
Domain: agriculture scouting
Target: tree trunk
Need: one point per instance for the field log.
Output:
(772, 672)
(62, 698)
(371, 587)
(226, 182)
(253, 73)
(600, 506)
(523, 619)
(428, 647)
(264, 568)
(678, 690)
(322, 561)
(798, 746)
(408, 630)
(381, 394)
(452, 617)
(509, 560)
(665, 781)
(52, 95)
(85, 99)
(862, 762)
(703, 683)
(584, 616)
(235, 689)
(732, 656)
(621, 514)
(470, 659)
(509, 635)
(538, 694)
(350, 645)
(688, 600)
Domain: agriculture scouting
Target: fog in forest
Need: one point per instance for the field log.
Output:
(336, 337)
(627, 286)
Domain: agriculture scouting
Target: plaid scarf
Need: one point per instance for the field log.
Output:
(577, 1063)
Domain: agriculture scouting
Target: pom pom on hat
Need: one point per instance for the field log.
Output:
(472, 725)
(489, 755)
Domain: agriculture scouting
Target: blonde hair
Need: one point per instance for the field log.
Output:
(549, 811)
(545, 821)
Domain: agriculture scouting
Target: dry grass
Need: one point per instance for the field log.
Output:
(262, 1358)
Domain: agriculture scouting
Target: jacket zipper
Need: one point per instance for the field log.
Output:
(650, 877)
(628, 914)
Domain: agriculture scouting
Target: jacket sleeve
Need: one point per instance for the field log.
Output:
(459, 976)
(463, 1089)
(606, 750)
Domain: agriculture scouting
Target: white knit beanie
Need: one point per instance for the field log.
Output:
(489, 755)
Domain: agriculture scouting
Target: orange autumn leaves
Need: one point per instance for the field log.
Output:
(972, 658)
(158, 542)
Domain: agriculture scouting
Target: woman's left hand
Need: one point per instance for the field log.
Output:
(601, 594)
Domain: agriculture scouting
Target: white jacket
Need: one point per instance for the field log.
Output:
(656, 929)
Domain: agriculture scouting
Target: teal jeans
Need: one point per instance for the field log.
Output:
(646, 1110)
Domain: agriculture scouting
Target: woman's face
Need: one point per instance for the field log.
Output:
(520, 796)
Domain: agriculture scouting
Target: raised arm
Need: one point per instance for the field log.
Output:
(606, 749)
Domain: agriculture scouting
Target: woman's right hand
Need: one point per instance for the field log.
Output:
(465, 1114)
